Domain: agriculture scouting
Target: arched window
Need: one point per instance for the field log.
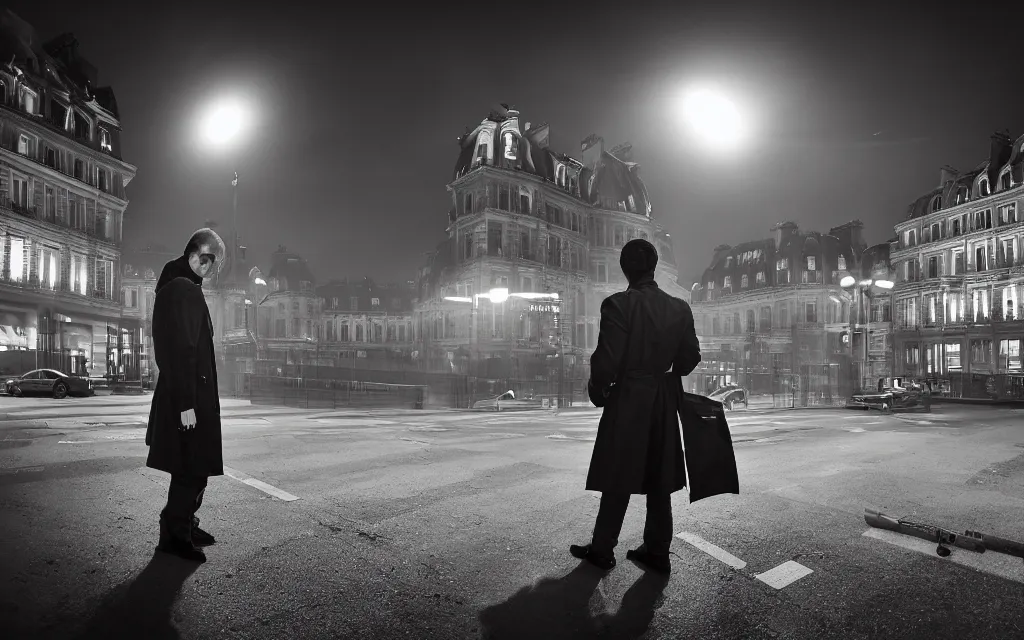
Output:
(1005, 180)
(983, 188)
(936, 203)
(751, 322)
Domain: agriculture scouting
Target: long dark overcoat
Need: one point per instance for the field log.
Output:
(183, 346)
(646, 343)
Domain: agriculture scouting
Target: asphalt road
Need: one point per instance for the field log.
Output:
(447, 525)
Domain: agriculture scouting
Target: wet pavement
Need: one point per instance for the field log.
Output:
(406, 524)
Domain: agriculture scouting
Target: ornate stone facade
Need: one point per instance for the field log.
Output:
(544, 230)
(62, 200)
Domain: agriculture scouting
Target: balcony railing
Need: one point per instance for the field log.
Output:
(35, 213)
(34, 284)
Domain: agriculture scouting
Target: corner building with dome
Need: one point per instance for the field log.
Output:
(513, 294)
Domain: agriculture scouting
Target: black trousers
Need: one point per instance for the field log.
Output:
(184, 497)
(657, 529)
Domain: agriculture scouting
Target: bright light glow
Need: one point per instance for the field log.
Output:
(248, 301)
(224, 122)
(885, 284)
(847, 281)
(499, 295)
(458, 299)
(260, 281)
(866, 283)
(713, 117)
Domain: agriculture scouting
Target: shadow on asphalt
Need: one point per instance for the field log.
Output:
(141, 607)
(558, 608)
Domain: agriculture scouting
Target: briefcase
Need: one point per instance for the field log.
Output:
(707, 443)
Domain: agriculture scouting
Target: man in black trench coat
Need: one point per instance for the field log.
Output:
(184, 435)
(646, 342)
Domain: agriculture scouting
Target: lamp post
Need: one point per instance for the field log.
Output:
(858, 288)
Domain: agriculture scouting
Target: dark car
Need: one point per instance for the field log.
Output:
(910, 398)
(730, 396)
(48, 382)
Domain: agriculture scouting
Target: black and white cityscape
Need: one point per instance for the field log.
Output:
(371, 322)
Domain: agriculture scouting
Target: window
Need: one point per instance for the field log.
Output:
(782, 263)
(983, 187)
(602, 272)
(953, 356)
(912, 354)
(727, 282)
(353, 303)
(105, 140)
(130, 299)
(936, 203)
(980, 303)
(842, 263)
(751, 322)
(811, 311)
(907, 310)
(50, 158)
(48, 267)
(279, 328)
(17, 259)
(102, 182)
(79, 274)
(1009, 253)
(933, 267)
(28, 100)
(980, 258)
(956, 225)
(957, 265)
(910, 238)
(760, 277)
(79, 170)
(20, 195)
(744, 281)
(953, 303)
(295, 305)
(931, 311)
(104, 278)
(375, 302)
(1008, 213)
(982, 220)
(24, 145)
(936, 231)
(1010, 303)
(980, 350)
(50, 206)
(1009, 355)
(810, 263)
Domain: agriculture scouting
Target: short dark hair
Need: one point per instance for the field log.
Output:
(638, 258)
(205, 236)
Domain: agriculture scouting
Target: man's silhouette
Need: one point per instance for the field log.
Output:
(184, 435)
(647, 341)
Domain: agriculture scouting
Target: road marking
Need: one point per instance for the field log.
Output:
(416, 441)
(990, 562)
(76, 441)
(856, 430)
(257, 484)
(783, 575)
(715, 552)
(562, 436)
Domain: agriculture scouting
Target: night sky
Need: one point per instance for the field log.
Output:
(854, 111)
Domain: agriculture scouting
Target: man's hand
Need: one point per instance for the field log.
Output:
(188, 420)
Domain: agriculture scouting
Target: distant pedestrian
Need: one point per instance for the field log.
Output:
(184, 434)
(646, 342)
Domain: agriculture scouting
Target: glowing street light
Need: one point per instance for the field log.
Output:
(713, 117)
(847, 282)
(225, 122)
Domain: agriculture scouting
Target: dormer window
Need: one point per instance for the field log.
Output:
(28, 100)
(842, 263)
(782, 263)
(23, 144)
(1006, 180)
(936, 203)
(962, 195)
(810, 263)
(727, 282)
(983, 188)
(105, 140)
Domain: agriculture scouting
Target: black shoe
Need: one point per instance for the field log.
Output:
(585, 552)
(201, 538)
(655, 562)
(184, 549)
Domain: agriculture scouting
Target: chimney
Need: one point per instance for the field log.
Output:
(947, 174)
(999, 153)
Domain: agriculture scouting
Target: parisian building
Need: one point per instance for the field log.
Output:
(368, 325)
(62, 202)
(772, 315)
(959, 296)
(532, 247)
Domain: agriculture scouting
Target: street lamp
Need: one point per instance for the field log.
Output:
(712, 116)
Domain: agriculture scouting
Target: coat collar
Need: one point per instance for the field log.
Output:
(644, 282)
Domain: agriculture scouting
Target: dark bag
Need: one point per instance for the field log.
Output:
(707, 443)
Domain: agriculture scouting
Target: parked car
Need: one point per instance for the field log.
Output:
(913, 397)
(49, 382)
(730, 396)
(505, 402)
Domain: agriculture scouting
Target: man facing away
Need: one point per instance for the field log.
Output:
(646, 342)
(184, 434)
